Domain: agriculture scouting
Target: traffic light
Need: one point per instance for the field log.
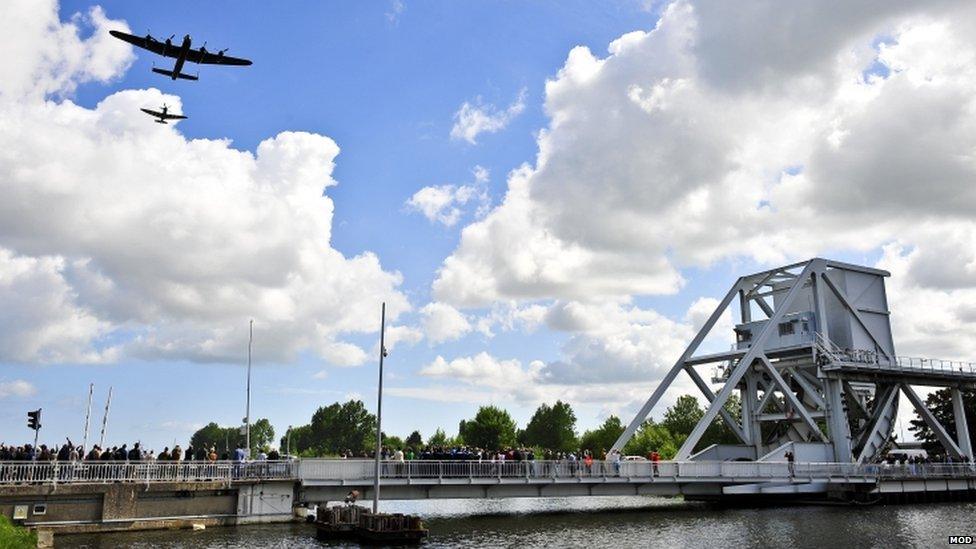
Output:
(34, 419)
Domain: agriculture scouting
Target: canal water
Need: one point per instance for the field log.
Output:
(605, 522)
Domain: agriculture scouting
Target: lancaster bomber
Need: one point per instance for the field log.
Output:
(182, 53)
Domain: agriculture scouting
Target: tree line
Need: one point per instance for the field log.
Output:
(339, 429)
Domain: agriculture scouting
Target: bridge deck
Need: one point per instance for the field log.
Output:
(347, 472)
(342, 472)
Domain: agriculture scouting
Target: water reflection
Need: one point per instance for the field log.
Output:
(620, 521)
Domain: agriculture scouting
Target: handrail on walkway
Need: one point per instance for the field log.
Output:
(355, 470)
(871, 359)
(88, 472)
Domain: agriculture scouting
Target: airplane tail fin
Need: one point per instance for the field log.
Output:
(170, 74)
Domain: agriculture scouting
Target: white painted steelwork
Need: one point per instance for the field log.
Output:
(83, 472)
(814, 367)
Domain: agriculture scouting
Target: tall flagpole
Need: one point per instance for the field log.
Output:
(84, 442)
(379, 415)
(247, 412)
(101, 440)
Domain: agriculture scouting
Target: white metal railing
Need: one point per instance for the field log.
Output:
(936, 365)
(82, 472)
(362, 470)
(353, 470)
(867, 358)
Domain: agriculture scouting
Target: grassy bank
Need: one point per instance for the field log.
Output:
(15, 537)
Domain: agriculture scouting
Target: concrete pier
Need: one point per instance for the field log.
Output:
(74, 508)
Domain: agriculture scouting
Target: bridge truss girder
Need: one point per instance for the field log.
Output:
(788, 392)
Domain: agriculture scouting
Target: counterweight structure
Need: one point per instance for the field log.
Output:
(815, 369)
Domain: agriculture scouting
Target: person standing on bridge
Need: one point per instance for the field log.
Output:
(135, 454)
(655, 458)
(790, 462)
(398, 458)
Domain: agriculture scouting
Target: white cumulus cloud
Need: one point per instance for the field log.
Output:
(17, 388)
(710, 138)
(445, 203)
(442, 322)
(116, 229)
(474, 119)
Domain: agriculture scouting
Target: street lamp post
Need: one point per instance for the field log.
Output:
(247, 411)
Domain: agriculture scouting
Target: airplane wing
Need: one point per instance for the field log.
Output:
(146, 43)
(207, 58)
(152, 112)
(174, 117)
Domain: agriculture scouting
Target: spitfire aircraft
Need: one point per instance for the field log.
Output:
(182, 53)
(162, 116)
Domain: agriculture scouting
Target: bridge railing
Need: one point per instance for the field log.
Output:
(345, 470)
(418, 470)
(82, 472)
(79, 472)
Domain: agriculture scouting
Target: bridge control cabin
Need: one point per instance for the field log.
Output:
(815, 369)
(803, 322)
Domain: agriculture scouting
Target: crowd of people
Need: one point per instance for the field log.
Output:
(467, 453)
(72, 452)
(518, 460)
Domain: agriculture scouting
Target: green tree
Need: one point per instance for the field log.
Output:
(439, 438)
(719, 432)
(224, 439)
(262, 435)
(342, 427)
(652, 437)
(492, 428)
(602, 438)
(415, 441)
(940, 404)
(301, 438)
(390, 442)
(681, 418)
(334, 429)
(553, 428)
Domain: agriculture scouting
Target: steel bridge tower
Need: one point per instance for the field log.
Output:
(815, 368)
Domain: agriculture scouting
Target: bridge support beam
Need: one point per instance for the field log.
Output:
(962, 426)
(933, 423)
(840, 431)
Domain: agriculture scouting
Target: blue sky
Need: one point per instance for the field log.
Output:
(386, 90)
(679, 163)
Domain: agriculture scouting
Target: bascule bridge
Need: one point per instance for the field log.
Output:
(813, 365)
(815, 369)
